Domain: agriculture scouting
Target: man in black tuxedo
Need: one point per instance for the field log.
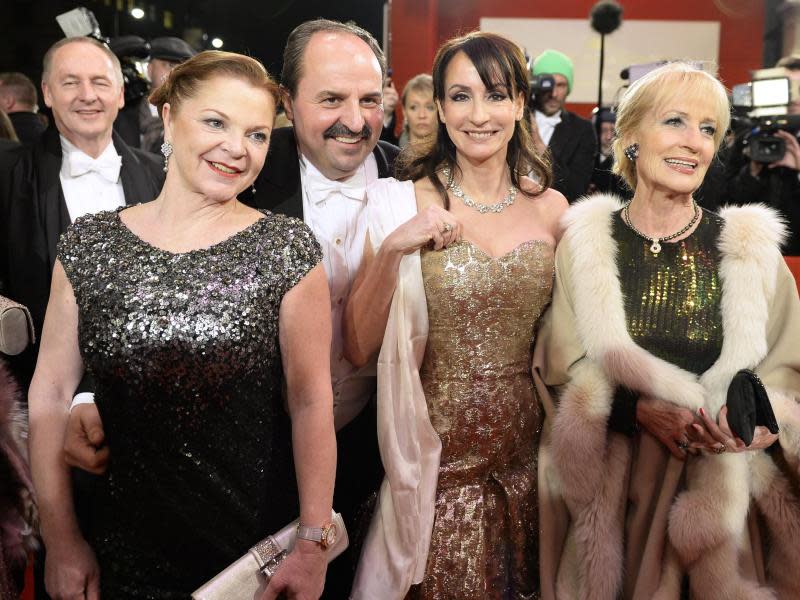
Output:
(74, 168)
(318, 170)
(570, 139)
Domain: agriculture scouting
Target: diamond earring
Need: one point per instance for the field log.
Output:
(632, 152)
(166, 150)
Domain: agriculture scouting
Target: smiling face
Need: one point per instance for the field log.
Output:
(84, 92)
(420, 112)
(479, 121)
(676, 145)
(336, 111)
(220, 137)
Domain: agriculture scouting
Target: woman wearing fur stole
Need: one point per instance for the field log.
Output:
(645, 492)
(17, 507)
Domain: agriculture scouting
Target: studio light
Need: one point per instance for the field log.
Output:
(216, 42)
(137, 13)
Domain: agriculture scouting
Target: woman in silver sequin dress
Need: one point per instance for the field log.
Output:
(189, 311)
(656, 307)
(458, 269)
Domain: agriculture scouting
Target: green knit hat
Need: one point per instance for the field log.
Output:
(553, 61)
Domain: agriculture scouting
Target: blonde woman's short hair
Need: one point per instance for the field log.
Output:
(651, 92)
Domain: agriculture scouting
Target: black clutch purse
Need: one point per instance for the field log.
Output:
(748, 406)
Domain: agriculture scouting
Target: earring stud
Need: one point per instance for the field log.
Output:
(632, 152)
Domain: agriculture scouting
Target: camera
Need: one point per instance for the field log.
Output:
(542, 84)
(760, 109)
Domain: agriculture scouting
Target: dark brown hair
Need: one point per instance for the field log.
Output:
(298, 40)
(499, 61)
(185, 79)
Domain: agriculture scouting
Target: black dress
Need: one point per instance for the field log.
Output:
(185, 355)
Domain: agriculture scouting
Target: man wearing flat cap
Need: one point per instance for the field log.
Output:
(147, 132)
(570, 139)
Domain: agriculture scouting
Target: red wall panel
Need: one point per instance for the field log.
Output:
(419, 26)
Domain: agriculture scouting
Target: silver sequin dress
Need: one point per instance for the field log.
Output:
(184, 352)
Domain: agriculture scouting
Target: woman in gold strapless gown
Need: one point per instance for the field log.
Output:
(451, 291)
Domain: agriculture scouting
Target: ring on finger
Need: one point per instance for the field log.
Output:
(683, 445)
(721, 449)
(447, 228)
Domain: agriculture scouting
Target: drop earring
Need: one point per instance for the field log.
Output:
(253, 189)
(166, 150)
(632, 152)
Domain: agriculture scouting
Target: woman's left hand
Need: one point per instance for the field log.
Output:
(301, 576)
(719, 438)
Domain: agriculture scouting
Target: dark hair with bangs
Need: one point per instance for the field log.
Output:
(500, 63)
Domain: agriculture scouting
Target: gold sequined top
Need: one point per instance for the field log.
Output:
(672, 299)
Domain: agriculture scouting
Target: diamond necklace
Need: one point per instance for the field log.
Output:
(508, 200)
(655, 246)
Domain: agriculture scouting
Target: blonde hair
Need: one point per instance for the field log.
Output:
(653, 91)
(184, 80)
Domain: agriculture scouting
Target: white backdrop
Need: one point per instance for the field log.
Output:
(636, 41)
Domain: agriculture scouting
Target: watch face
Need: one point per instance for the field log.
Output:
(330, 536)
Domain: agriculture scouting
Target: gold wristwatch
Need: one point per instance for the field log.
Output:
(325, 536)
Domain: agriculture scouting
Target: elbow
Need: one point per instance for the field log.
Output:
(354, 354)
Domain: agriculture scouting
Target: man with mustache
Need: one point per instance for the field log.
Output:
(318, 170)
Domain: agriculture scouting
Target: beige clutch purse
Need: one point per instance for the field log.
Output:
(16, 327)
(247, 578)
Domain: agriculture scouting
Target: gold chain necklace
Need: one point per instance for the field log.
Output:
(655, 246)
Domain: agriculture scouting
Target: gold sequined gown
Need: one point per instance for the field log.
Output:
(483, 313)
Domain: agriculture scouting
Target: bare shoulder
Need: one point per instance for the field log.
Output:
(549, 205)
(427, 195)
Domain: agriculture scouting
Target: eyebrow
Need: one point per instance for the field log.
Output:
(326, 93)
(685, 114)
(224, 116)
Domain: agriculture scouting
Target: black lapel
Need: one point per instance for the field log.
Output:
(385, 155)
(560, 135)
(50, 196)
(137, 184)
(278, 184)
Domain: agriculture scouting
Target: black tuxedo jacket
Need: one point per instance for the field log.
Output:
(278, 184)
(572, 148)
(33, 215)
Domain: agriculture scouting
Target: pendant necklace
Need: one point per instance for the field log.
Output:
(498, 207)
(655, 245)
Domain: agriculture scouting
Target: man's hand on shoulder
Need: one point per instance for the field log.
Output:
(84, 441)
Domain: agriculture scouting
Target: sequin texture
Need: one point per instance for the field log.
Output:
(184, 352)
(672, 299)
(476, 375)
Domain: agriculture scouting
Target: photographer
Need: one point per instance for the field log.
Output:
(570, 139)
(777, 183)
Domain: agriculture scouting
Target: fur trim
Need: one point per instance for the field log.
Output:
(708, 519)
(16, 526)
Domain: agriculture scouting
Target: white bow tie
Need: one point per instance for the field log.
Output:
(320, 189)
(107, 166)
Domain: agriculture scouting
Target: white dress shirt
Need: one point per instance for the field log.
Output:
(547, 125)
(90, 184)
(335, 212)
